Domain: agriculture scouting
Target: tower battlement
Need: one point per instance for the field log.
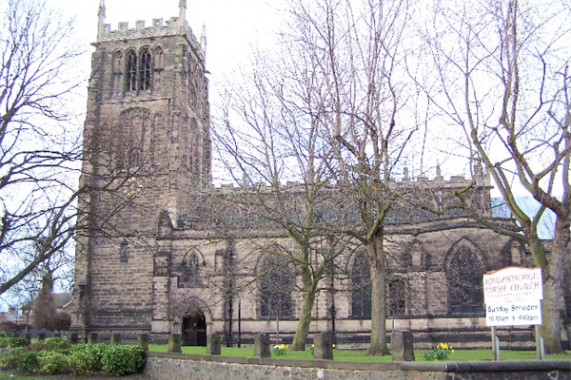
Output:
(175, 26)
(159, 28)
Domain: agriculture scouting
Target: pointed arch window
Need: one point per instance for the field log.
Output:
(190, 271)
(117, 71)
(465, 273)
(396, 303)
(131, 80)
(159, 62)
(158, 67)
(276, 286)
(361, 292)
(145, 70)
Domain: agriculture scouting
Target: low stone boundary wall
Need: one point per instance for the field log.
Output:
(177, 366)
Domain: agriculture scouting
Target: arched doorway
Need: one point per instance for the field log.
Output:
(194, 330)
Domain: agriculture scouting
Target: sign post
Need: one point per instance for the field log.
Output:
(512, 297)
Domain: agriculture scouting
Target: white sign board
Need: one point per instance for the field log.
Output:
(513, 296)
(518, 313)
(513, 284)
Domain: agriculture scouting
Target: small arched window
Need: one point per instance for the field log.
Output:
(275, 288)
(145, 70)
(124, 252)
(465, 275)
(361, 291)
(131, 80)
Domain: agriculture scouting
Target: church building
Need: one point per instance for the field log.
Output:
(151, 259)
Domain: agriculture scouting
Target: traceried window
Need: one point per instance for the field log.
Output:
(131, 80)
(132, 139)
(396, 305)
(190, 271)
(145, 70)
(465, 294)
(134, 73)
(275, 288)
(361, 292)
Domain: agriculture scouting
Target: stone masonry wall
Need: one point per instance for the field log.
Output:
(170, 366)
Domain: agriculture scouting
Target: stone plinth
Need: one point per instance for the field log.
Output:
(213, 344)
(402, 346)
(322, 348)
(262, 346)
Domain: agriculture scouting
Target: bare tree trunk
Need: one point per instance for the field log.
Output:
(377, 266)
(300, 336)
(553, 292)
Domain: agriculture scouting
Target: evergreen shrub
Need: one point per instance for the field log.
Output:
(86, 358)
(18, 342)
(123, 360)
(9, 357)
(58, 344)
(27, 361)
(52, 362)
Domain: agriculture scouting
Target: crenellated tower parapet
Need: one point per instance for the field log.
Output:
(158, 28)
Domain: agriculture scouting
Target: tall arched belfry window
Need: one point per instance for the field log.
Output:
(276, 285)
(131, 80)
(465, 294)
(145, 70)
(361, 292)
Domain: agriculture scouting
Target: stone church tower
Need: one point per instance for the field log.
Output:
(146, 149)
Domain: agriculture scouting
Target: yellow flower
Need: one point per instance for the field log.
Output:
(333, 346)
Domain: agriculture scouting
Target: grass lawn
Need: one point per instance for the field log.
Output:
(360, 356)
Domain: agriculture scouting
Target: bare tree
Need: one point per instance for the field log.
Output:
(354, 50)
(39, 153)
(500, 72)
(44, 312)
(272, 144)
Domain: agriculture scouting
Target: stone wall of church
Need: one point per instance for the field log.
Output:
(420, 259)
